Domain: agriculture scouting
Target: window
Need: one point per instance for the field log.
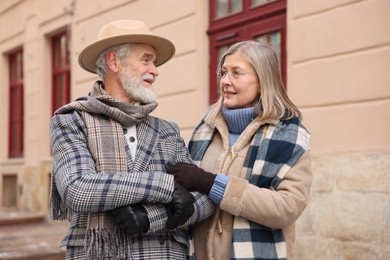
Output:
(255, 3)
(237, 20)
(60, 70)
(16, 105)
(9, 189)
(226, 7)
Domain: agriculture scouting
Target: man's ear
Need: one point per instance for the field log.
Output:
(112, 61)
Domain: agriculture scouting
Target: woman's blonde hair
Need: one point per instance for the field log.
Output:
(272, 102)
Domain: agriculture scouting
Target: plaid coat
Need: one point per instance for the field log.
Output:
(83, 191)
(269, 185)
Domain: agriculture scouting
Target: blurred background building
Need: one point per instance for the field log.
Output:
(335, 62)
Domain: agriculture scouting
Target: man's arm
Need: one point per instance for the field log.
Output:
(82, 189)
(157, 213)
(203, 206)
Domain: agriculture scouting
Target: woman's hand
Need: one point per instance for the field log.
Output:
(192, 177)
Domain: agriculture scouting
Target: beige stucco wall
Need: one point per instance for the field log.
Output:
(29, 24)
(338, 58)
(182, 85)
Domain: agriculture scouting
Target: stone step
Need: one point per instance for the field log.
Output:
(15, 217)
(30, 236)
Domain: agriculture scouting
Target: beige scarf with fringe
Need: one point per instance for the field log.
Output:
(105, 118)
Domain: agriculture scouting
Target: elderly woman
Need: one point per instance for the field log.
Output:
(253, 139)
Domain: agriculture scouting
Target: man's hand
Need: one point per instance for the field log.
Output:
(192, 177)
(181, 207)
(132, 219)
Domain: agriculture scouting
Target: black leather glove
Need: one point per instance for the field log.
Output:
(132, 219)
(192, 177)
(181, 208)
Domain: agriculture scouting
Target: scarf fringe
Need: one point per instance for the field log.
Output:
(58, 210)
(108, 244)
(102, 112)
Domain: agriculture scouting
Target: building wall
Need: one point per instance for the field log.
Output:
(183, 82)
(181, 86)
(338, 55)
(29, 24)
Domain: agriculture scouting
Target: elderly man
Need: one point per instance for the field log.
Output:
(110, 156)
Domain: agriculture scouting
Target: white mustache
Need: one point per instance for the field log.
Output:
(149, 77)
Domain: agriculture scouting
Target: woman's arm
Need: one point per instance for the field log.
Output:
(271, 208)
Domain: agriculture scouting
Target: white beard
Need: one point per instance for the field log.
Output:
(133, 86)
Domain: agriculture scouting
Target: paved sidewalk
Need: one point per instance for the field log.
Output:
(30, 236)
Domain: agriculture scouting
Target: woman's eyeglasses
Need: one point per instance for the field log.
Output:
(233, 74)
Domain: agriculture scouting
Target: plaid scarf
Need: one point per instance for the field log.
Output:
(105, 118)
(274, 149)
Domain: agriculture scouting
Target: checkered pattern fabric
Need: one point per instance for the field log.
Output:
(272, 152)
(93, 172)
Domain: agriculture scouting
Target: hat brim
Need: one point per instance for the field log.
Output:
(88, 56)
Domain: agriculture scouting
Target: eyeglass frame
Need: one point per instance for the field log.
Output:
(233, 74)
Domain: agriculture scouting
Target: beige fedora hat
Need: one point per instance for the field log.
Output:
(125, 31)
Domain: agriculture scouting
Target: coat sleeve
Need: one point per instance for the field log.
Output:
(157, 213)
(203, 206)
(84, 190)
(272, 208)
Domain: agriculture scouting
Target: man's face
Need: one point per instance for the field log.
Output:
(138, 73)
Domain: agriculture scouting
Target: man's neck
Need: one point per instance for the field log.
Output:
(115, 90)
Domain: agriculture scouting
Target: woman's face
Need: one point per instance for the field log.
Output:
(239, 83)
